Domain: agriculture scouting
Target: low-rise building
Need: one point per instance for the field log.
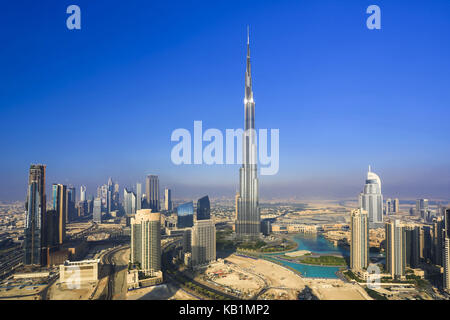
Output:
(78, 271)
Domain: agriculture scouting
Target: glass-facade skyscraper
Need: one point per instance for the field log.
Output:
(129, 201)
(248, 223)
(71, 199)
(185, 215)
(371, 199)
(203, 208)
(97, 214)
(152, 192)
(168, 199)
(138, 196)
(412, 244)
(35, 241)
(61, 206)
(82, 193)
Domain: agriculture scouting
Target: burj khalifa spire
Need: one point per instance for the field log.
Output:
(248, 216)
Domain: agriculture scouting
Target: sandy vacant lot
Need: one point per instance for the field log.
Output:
(336, 289)
(275, 276)
(285, 284)
(236, 278)
(62, 292)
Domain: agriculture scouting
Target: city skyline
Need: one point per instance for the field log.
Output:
(136, 166)
(204, 62)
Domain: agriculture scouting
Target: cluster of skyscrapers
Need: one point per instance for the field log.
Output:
(199, 234)
(45, 229)
(134, 199)
(407, 244)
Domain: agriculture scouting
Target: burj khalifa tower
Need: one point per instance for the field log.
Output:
(248, 216)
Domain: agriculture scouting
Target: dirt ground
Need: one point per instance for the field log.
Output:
(285, 281)
(282, 283)
(336, 289)
(61, 292)
(236, 278)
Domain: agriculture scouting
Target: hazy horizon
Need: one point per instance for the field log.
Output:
(103, 101)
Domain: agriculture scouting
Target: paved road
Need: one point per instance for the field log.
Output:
(169, 247)
(117, 276)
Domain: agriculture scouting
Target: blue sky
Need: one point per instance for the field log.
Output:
(104, 100)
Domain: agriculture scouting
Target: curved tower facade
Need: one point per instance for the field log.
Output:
(371, 199)
(248, 216)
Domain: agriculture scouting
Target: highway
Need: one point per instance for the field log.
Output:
(108, 260)
(167, 254)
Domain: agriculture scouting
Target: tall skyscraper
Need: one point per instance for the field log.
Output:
(185, 215)
(371, 199)
(129, 201)
(71, 200)
(412, 244)
(138, 196)
(146, 241)
(446, 257)
(35, 241)
(422, 208)
(97, 215)
(203, 242)
(61, 206)
(395, 249)
(203, 208)
(438, 241)
(115, 197)
(82, 193)
(236, 204)
(359, 242)
(248, 218)
(152, 192)
(82, 209)
(388, 207)
(396, 208)
(426, 243)
(168, 199)
(109, 196)
(52, 229)
(104, 196)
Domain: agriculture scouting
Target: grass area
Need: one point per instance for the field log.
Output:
(222, 244)
(262, 246)
(252, 245)
(351, 276)
(324, 261)
(279, 248)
